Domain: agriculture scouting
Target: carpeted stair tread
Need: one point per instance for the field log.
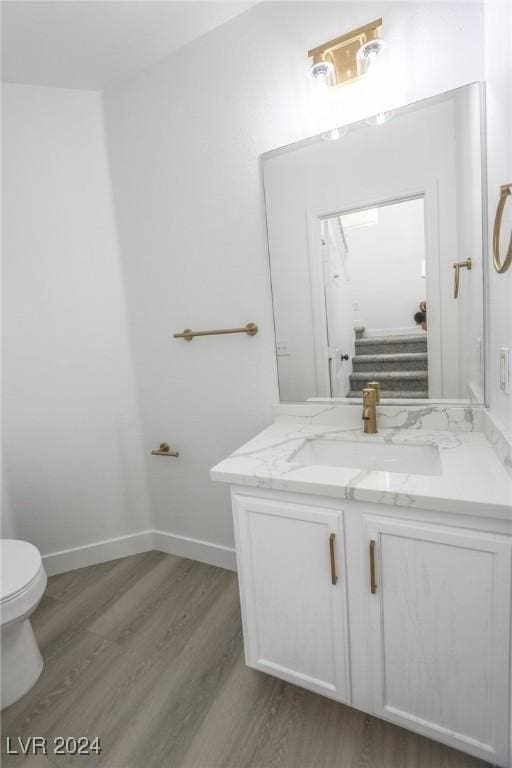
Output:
(391, 357)
(399, 394)
(377, 345)
(412, 339)
(405, 361)
(388, 375)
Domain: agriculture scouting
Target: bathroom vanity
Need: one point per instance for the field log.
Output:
(376, 569)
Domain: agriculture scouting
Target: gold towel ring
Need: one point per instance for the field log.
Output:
(505, 191)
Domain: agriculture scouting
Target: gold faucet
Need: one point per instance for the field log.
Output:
(376, 386)
(370, 410)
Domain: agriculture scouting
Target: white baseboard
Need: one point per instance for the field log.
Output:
(98, 552)
(135, 543)
(195, 549)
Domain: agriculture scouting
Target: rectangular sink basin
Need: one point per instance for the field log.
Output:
(383, 457)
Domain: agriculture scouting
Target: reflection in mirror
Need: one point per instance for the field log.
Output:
(373, 274)
(366, 238)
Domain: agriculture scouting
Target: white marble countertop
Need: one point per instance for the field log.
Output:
(472, 480)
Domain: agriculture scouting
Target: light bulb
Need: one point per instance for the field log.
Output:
(371, 57)
(372, 64)
(335, 134)
(322, 72)
(380, 118)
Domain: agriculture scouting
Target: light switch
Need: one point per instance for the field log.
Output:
(505, 372)
(283, 348)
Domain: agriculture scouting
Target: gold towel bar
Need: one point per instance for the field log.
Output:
(505, 191)
(251, 329)
(165, 450)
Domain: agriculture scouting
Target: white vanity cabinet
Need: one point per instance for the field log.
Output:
(439, 627)
(421, 635)
(293, 587)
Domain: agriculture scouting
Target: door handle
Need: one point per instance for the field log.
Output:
(457, 267)
(334, 578)
(373, 578)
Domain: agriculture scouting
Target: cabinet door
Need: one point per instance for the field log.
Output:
(440, 624)
(294, 615)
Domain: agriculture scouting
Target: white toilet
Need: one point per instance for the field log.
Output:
(22, 586)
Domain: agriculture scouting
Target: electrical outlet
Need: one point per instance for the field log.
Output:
(283, 348)
(505, 369)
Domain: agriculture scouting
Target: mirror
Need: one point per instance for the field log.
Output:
(376, 256)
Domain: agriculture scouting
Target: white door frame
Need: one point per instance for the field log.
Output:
(428, 192)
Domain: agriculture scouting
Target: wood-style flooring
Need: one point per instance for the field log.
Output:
(146, 653)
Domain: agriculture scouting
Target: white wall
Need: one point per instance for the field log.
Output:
(75, 473)
(184, 140)
(384, 263)
(498, 74)
(8, 526)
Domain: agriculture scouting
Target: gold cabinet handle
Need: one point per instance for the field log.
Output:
(457, 267)
(334, 578)
(505, 191)
(373, 578)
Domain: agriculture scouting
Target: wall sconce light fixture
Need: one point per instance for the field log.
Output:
(348, 57)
